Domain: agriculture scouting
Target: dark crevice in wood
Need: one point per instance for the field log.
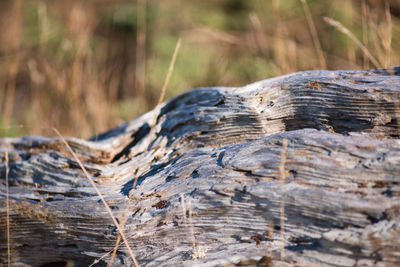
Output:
(143, 131)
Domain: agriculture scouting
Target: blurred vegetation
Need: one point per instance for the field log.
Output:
(86, 66)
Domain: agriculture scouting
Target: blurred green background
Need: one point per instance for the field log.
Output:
(84, 67)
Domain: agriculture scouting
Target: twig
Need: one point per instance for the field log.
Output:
(100, 195)
(282, 209)
(8, 215)
(347, 32)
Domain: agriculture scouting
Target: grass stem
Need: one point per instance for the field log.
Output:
(282, 207)
(107, 207)
(162, 95)
(8, 214)
(339, 26)
(387, 42)
(314, 34)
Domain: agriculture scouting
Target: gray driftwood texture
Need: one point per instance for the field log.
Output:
(209, 188)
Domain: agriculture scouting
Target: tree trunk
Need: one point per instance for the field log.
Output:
(299, 170)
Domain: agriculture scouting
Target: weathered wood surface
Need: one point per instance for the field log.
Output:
(220, 150)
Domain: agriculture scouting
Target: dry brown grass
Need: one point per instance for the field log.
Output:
(14, 63)
(348, 33)
(364, 20)
(387, 41)
(141, 47)
(314, 34)
(87, 66)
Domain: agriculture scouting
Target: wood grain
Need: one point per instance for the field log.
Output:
(218, 151)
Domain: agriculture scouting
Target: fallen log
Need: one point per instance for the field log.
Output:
(299, 170)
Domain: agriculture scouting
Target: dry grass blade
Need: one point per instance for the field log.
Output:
(118, 240)
(364, 19)
(191, 225)
(397, 107)
(96, 261)
(183, 208)
(10, 91)
(141, 47)
(121, 232)
(14, 68)
(114, 250)
(99, 259)
(8, 215)
(282, 209)
(259, 34)
(314, 34)
(162, 95)
(168, 77)
(184, 211)
(347, 32)
(387, 42)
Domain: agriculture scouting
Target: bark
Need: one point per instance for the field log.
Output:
(215, 181)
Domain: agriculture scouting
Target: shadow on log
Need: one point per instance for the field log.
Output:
(209, 189)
